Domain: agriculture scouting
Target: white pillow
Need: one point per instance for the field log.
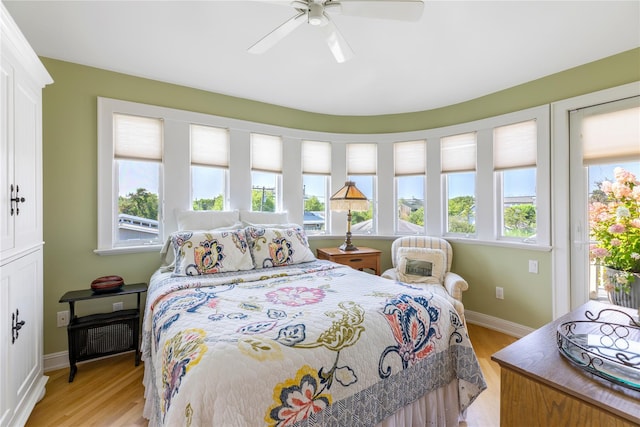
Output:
(209, 252)
(207, 220)
(420, 265)
(275, 247)
(259, 218)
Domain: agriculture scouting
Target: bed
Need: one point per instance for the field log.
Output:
(247, 328)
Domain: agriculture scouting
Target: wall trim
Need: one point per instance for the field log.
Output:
(54, 361)
(60, 360)
(497, 324)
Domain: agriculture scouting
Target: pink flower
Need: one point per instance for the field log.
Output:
(624, 175)
(599, 252)
(615, 242)
(296, 296)
(617, 229)
(606, 186)
(635, 223)
(621, 190)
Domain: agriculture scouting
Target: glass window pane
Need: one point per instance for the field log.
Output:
(208, 188)
(362, 222)
(264, 192)
(461, 203)
(138, 201)
(314, 194)
(519, 203)
(599, 214)
(410, 202)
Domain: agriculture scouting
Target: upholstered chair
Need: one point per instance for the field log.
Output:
(452, 286)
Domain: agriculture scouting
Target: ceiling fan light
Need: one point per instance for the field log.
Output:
(316, 14)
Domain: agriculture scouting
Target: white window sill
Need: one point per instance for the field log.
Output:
(128, 250)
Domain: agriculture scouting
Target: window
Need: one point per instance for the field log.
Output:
(362, 167)
(316, 170)
(138, 160)
(458, 163)
(514, 165)
(266, 172)
(209, 166)
(410, 169)
(182, 160)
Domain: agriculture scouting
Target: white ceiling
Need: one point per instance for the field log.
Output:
(458, 50)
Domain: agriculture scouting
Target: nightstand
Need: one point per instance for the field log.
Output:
(359, 259)
(102, 334)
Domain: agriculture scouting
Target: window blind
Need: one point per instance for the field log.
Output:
(316, 157)
(362, 159)
(458, 153)
(410, 157)
(611, 136)
(515, 146)
(266, 153)
(137, 137)
(209, 146)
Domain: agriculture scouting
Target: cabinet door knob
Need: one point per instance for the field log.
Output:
(16, 200)
(16, 325)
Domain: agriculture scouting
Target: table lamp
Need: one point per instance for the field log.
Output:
(349, 198)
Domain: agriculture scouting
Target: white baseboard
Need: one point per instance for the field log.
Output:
(54, 361)
(497, 324)
(60, 360)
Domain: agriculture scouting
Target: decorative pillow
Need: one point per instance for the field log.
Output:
(258, 218)
(420, 265)
(209, 252)
(275, 247)
(207, 220)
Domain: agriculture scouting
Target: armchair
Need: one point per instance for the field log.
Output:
(453, 284)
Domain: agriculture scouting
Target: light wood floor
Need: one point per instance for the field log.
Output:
(109, 392)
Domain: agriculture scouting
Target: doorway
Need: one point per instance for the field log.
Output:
(604, 147)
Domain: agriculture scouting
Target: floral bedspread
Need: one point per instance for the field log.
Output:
(312, 344)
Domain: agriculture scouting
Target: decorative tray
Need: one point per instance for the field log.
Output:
(606, 349)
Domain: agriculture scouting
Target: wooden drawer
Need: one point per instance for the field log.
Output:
(359, 259)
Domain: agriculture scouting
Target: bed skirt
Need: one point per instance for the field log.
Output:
(437, 408)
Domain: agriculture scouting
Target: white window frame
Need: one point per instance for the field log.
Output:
(368, 170)
(320, 168)
(418, 169)
(176, 194)
(565, 292)
(498, 191)
(222, 166)
(108, 183)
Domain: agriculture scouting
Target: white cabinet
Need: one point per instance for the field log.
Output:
(22, 77)
(22, 309)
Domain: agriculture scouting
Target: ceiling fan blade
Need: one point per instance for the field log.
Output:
(401, 10)
(338, 45)
(278, 34)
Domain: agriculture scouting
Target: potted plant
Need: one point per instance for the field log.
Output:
(615, 226)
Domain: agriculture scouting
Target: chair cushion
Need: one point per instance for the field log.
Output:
(421, 265)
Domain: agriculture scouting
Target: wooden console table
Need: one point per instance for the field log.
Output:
(540, 387)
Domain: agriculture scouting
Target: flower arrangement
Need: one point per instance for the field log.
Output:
(615, 225)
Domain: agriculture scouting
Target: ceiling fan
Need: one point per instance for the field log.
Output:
(314, 12)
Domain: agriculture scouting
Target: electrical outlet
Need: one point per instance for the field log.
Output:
(499, 292)
(533, 266)
(118, 306)
(63, 318)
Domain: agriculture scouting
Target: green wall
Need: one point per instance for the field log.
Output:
(70, 181)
